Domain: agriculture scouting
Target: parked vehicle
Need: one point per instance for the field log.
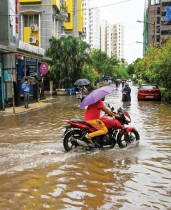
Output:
(74, 135)
(149, 92)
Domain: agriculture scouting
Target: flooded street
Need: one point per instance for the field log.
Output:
(36, 173)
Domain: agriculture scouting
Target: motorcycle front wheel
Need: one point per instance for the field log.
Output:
(70, 138)
(127, 138)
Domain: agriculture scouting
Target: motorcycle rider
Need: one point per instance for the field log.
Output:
(92, 117)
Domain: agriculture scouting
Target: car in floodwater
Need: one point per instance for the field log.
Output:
(149, 92)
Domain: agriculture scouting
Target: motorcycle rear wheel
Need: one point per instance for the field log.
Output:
(123, 140)
(68, 143)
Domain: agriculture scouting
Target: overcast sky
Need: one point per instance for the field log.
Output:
(126, 12)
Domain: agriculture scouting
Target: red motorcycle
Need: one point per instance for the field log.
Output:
(74, 135)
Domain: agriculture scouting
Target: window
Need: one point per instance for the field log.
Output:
(69, 17)
(31, 19)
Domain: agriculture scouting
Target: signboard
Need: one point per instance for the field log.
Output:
(30, 48)
(43, 68)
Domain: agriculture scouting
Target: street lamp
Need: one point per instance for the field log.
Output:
(140, 21)
(144, 46)
(137, 42)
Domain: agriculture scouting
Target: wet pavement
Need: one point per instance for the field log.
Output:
(34, 105)
(36, 173)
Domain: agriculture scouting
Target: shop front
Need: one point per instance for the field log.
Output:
(14, 67)
(28, 59)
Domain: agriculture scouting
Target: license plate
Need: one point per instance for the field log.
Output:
(149, 96)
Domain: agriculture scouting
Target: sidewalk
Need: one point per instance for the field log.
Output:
(20, 109)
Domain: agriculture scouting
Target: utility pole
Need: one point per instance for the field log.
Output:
(153, 36)
(12, 88)
(153, 33)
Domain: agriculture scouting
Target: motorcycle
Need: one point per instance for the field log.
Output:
(74, 134)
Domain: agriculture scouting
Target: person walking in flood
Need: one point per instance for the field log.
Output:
(26, 89)
(126, 93)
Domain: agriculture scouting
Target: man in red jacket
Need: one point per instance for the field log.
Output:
(92, 117)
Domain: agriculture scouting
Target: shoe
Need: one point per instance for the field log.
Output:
(28, 107)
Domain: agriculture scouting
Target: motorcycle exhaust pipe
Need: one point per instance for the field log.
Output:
(82, 143)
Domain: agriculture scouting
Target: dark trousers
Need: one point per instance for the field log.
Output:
(26, 99)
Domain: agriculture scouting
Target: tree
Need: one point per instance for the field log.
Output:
(104, 65)
(68, 58)
(156, 64)
(131, 67)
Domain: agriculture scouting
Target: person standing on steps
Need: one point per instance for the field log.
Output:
(26, 89)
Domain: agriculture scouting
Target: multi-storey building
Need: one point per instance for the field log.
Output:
(91, 24)
(26, 27)
(112, 39)
(103, 35)
(156, 27)
(74, 23)
(40, 20)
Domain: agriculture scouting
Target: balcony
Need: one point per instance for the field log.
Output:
(62, 15)
(63, 6)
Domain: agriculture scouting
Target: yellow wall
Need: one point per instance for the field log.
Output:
(29, 1)
(28, 33)
(69, 25)
(56, 3)
(80, 16)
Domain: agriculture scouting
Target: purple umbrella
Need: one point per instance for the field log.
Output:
(96, 95)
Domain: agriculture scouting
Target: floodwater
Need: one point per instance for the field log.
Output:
(36, 173)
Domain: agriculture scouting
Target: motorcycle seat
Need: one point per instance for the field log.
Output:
(80, 121)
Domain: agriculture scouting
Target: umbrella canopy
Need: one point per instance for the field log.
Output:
(31, 80)
(96, 95)
(82, 82)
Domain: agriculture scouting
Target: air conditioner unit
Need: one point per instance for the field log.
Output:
(34, 27)
(32, 40)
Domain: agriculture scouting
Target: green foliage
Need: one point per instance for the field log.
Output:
(72, 60)
(140, 82)
(104, 65)
(166, 94)
(131, 67)
(68, 58)
(123, 74)
(155, 67)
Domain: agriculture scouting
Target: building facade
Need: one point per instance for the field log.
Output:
(40, 20)
(112, 39)
(74, 22)
(91, 24)
(18, 56)
(157, 24)
(103, 35)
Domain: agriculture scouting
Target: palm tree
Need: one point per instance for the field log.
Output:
(68, 58)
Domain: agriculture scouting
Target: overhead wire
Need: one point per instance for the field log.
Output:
(73, 11)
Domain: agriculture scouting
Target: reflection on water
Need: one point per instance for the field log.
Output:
(36, 172)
